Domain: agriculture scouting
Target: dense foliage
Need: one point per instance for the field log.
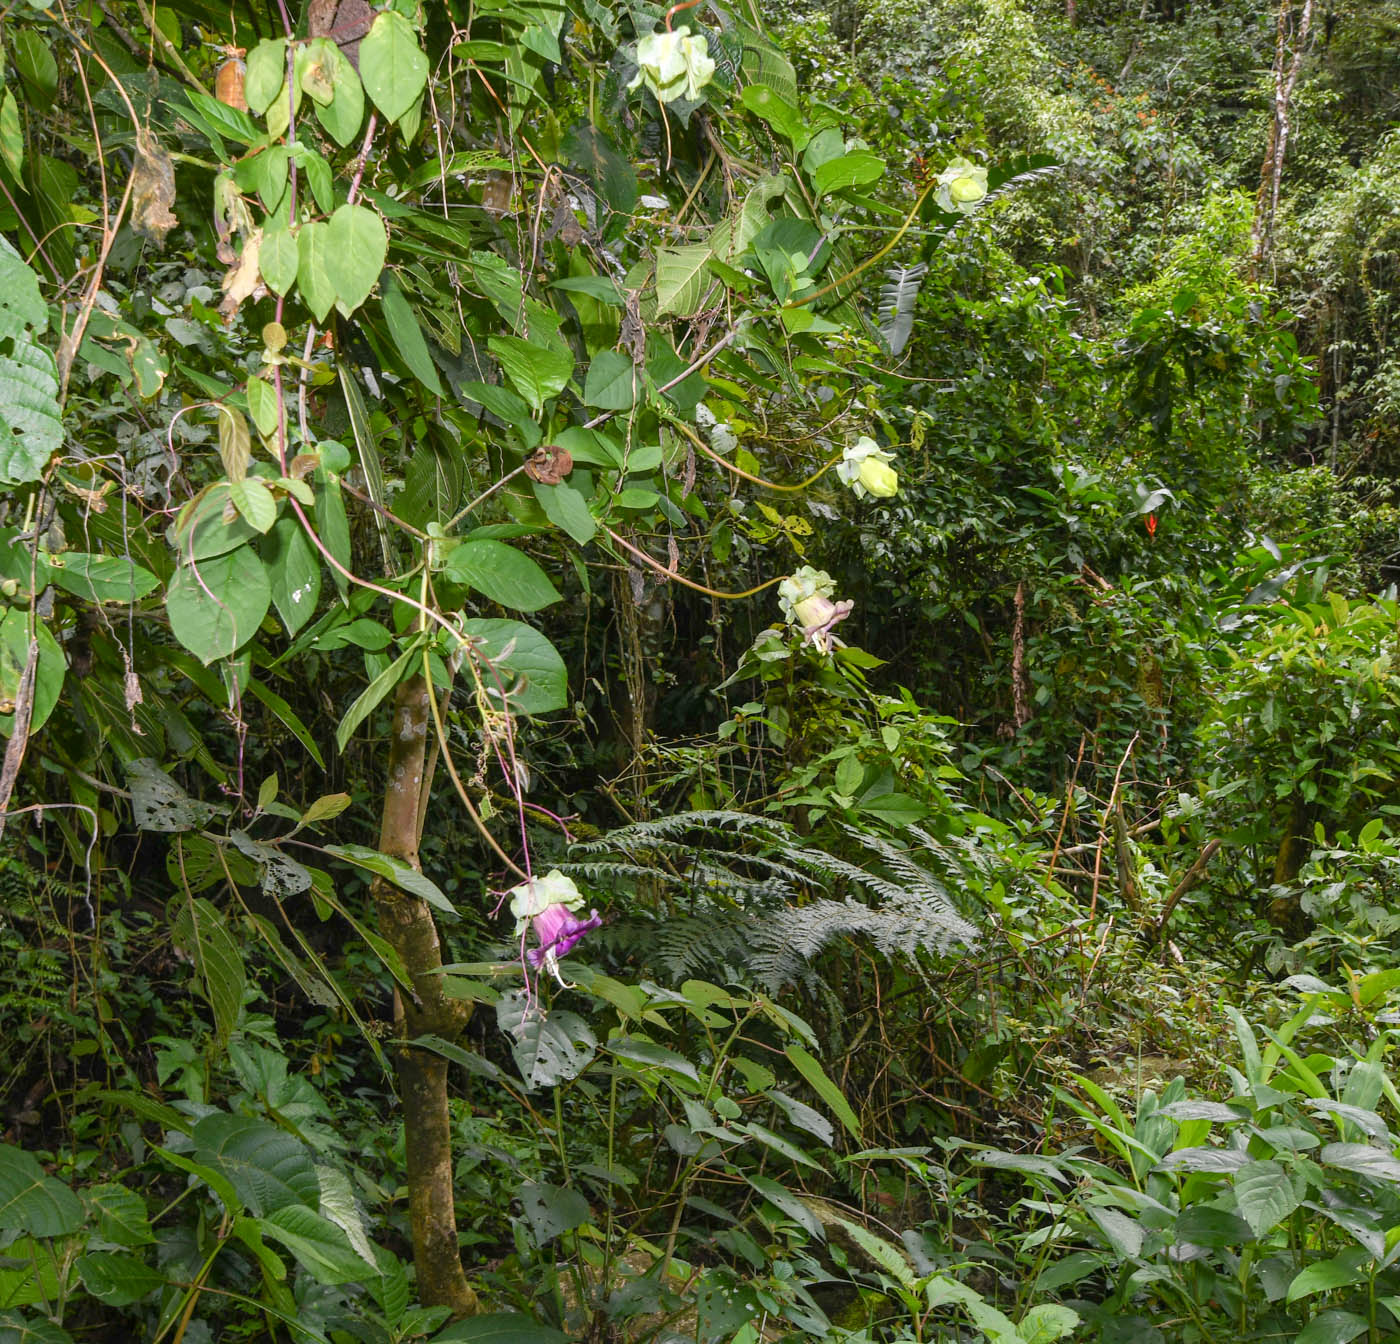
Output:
(714, 674)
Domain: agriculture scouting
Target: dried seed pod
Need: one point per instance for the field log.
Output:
(228, 84)
(549, 464)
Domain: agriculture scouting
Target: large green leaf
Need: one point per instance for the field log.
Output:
(314, 280)
(682, 274)
(407, 336)
(548, 1048)
(49, 671)
(293, 573)
(318, 1244)
(402, 875)
(538, 371)
(392, 66)
(31, 1202)
(30, 428)
(551, 1209)
(344, 114)
(269, 1168)
(516, 659)
(502, 573)
(857, 169)
(117, 1277)
(215, 606)
(1264, 1195)
(357, 246)
(266, 74)
(566, 508)
(499, 1327)
(199, 930)
(612, 383)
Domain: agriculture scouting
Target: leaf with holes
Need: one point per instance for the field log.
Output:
(547, 1049)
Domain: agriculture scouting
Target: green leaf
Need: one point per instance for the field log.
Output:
(786, 1202)
(101, 578)
(1333, 1326)
(254, 501)
(1264, 1195)
(1362, 1159)
(612, 382)
(856, 169)
(396, 871)
(817, 1080)
(215, 606)
(548, 1049)
(343, 115)
(279, 260)
(407, 335)
(369, 699)
(357, 245)
(551, 1209)
(501, 573)
(35, 65)
(1322, 1277)
(315, 282)
(567, 509)
(293, 572)
(266, 74)
(288, 717)
(262, 406)
(199, 930)
(393, 69)
(31, 430)
(121, 1215)
(319, 1245)
(117, 1278)
(682, 274)
(778, 112)
(516, 659)
(269, 1168)
(11, 134)
(49, 670)
(33, 1203)
(1046, 1323)
(538, 371)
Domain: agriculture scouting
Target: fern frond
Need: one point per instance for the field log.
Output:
(896, 310)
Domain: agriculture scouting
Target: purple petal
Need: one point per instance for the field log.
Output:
(558, 930)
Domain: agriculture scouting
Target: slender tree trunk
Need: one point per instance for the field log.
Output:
(407, 924)
(1290, 44)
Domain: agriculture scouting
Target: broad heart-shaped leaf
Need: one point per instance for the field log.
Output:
(49, 671)
(30, 428)
(314, 282)
(538, 371)
(856, 169)
(502, 573)
(551, 1209)
(499, 1327)
(682, 274)
(519, 659)
(392, 67)
(402, 875)
(268, 1168)
(199, 930)
(549, 1047)
(31, 1202)
(1264, 1195)
(318, 1244)
(293, 573)
(266, 74)
(612, 382)
(358, 246)
(215, 606)
(343, 115)
(279, 259)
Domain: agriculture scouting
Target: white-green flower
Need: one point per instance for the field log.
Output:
(865, 467)
(960, 186)
(528, 899)
(806, 600)
(673, 64)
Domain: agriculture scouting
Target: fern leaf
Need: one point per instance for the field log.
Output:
(897, 298)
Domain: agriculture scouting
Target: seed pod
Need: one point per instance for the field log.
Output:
(228, 84)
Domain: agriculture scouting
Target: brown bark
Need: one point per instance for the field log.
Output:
(406, 922)
(1289, 48)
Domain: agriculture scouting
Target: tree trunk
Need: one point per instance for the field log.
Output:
(1290, 44)
(406, 922)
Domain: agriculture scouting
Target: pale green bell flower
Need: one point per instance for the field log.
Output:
(960, 186)
(673, 64)
(865, 467)
(806, 600)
